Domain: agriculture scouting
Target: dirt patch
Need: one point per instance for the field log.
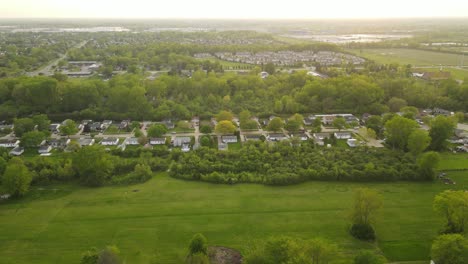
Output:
(223, 255)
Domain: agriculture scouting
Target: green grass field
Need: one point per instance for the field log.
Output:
(158, 218)
(458, 74)
(409, 56)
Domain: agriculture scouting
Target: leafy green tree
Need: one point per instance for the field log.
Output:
(198, 244)
(395, 104)
(368, 257)
(294, 123)
(224, 116)
(418, 141)
(321, 251)
(450, 249)
(69, 128)
(16, 178)
(427, 164)
(137, 133)
(32, 139)
(205, 129)
(90, 256)
(339, 123)
(109, 255)
(452, 206)
(23, 125)
(375, 123)
(276, 124)
(157, 130)
(225, 127)
(441, 129)
(371, 133)
(366, 204)
(198, 258)
(93, 165)
(270, 68)
(397, 130)
(409, 112)
(42, 122)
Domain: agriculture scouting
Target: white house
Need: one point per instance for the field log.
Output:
(185, 147)
(132, 141)
(58, 143)
(321, 136)
(179, 141)
(86, 141)
(110, 142)
(44, 149)
(342, 135)
(17, 151)
(157, 141)
(276, 137)
(229, 139)
(352, 142)
(9, 143)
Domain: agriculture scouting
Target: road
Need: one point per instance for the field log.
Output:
(49, 69)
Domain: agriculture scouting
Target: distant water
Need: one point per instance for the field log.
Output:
(80, 29)
(341, 39)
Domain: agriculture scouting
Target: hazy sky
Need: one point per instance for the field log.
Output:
(232, 9)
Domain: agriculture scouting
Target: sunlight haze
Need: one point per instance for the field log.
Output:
(231, 9)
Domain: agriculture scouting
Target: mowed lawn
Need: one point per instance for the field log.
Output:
(157, 219)
(409, 56)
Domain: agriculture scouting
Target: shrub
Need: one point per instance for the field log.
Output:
(362, 231)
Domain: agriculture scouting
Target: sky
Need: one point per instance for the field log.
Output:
(266, 9)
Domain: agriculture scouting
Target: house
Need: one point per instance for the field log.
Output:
(17, 151)
(110, 142)
(86, 142)
(58, 143)
(185, 147)
(157, 141)
(54, 128)
(252, 137)
(132, 141)
(302, 137)
(106, 123)
(44, 149)
(5, 127)
(124, 124)
(179, 141)
(276, 137)
(342, 135)
(96, 127)
(352, 142)
(440, 111)
(308, 121)
(229, 139)
(9, 143)
(436, 76)
(168, 123)
(264, 75)
(222, 146)
(321, 136)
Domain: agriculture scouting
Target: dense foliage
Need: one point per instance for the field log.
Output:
(283, 164)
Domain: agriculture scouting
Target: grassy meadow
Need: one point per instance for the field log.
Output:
(156, 220)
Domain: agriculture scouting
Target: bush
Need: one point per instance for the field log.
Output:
(141, 173)
(362, 231)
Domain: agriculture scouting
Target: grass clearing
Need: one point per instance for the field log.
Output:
(409, 56)
(160, 216)
(451, 161)
(458, 73)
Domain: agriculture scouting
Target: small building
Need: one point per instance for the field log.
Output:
(252, 137)
(106, 123)
(179, 141)
(185, 147)
(321, 136)
(436, 76)
(9, 143)
(44, 149)
(110, 142)
(222, 146)
(264, 75)
(342, 135)
(168, 123)
(352, 142)
(157, 141)
(229, 139)
(54, 128)
(96, 127)
(302, 136)
(124, 124)
(86, 142)
(17, 151)
(132, 141)
(277, 137)
(58, 142)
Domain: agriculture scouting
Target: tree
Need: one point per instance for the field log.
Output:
(368, 257)
(224, 116)
(366, 204)
(294, 123)
(42, 122)
(137, 133)
(198, 244)
(397, 131)
(23, 125)
(450, 249)
(276, 124)
(93, 165)
(441, 129)
(395, 104)
(418, 141)
(452, 205)
(69, 128)
(321, 251)
(109, 255)
(409, 112)
(90, 257)
(32, 139)
(16, 178)
(157, 130)
(205, 129)
(375, 123)
(225, 127)
(270, 68)
(339, 123)
(427, 164)
(371, 133)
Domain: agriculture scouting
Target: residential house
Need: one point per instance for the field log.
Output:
(352, 142)
(44, 149)
(252, 137)
(132, 141)
(185, 147)
(5, 127)
(96, 127)
(440, 111)
(86, 142)
(124, 125)
(436, 76)
(9, 143)
(229, 139)
(321, 136)
(54, 128)
(342, 135)
(17, 151)
(302, 136)
(110, 142)
(157, 141)
(222, 146)
(276, 137)
(179, 141)
(168, 123)
(264, 75)
(58, 143)
(106, 123)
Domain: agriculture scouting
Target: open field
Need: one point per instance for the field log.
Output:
(409, 56)
(160, 216)
(457, 73)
